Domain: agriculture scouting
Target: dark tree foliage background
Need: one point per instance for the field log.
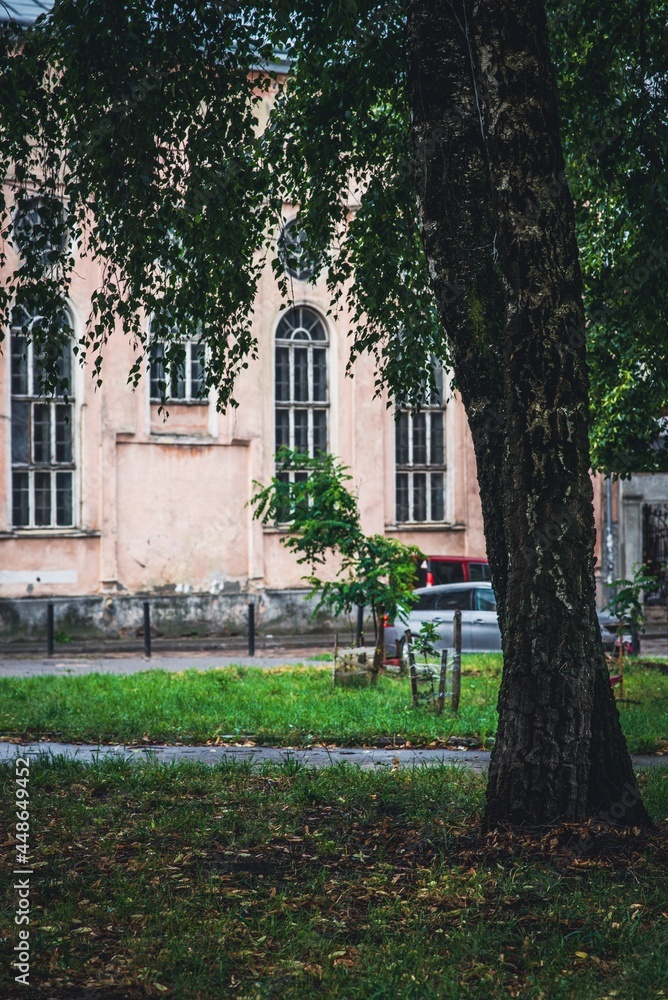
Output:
(141, 119)
(612, 67)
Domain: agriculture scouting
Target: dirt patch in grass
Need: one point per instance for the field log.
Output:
(659, 665)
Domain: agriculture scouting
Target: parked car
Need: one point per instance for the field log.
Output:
(436, 570)
(480, 625)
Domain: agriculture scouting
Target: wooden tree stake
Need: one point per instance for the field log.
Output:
(442, 682)
(457, 660)
(411, 668)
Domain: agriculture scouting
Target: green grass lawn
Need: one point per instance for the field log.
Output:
(285, 706)
(282, 882)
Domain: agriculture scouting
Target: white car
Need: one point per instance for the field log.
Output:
(480, 623)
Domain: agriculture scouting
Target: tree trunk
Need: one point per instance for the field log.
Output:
(454, 198)
(498, 228)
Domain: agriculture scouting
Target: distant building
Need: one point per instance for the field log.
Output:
(104, 501)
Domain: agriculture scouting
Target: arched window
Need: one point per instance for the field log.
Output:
(420, 459)
(301, 383)
(43, 466)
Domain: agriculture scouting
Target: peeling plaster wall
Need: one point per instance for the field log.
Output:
(161, 504)
(284, 612)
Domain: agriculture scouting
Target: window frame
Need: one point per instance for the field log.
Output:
(300, 273)
(310, 405)
(405, 472)
(51, 467)
(188, 398)
(51, 254)
(455, 600)
(480, 600)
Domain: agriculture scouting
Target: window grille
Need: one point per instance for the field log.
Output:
(43, 460)
(292, 251)
(301, 383)
(181, 381)
(420, 460)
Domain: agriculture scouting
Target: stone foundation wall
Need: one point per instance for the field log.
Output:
(277, 612)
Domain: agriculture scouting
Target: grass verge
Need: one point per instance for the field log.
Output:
(198, 882)
(286, 707)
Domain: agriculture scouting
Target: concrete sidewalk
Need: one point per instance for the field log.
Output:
(367, 758)
(77, 666)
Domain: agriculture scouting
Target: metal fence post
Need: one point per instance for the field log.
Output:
(457, 660)
(49, 629)
(147, 629)
(360, 625)
(251, 628)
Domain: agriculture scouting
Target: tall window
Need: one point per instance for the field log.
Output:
(292, 251)
(178, 380)
(40, 230)
(42, 437)
(301, 391)
(420, 460)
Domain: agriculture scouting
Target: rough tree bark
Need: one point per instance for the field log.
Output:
(498, 228)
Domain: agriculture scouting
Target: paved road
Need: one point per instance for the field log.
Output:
(476, 760)
(315, 757)
(76, 666)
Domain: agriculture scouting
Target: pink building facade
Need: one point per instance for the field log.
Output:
(103, 500)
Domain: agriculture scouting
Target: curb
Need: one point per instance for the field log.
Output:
(366, 758)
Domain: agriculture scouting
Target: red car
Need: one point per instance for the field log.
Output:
(435, 570)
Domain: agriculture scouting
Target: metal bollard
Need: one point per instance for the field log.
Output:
(147, 630)
(360, 625)
(49, 629)
(251, 628)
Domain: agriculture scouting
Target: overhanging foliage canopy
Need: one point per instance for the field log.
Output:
(141, 118)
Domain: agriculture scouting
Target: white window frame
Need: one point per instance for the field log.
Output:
(33, 467)
(293, 267)
(310, 405)
(409, 469)
(31, 204)
(189, 396)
